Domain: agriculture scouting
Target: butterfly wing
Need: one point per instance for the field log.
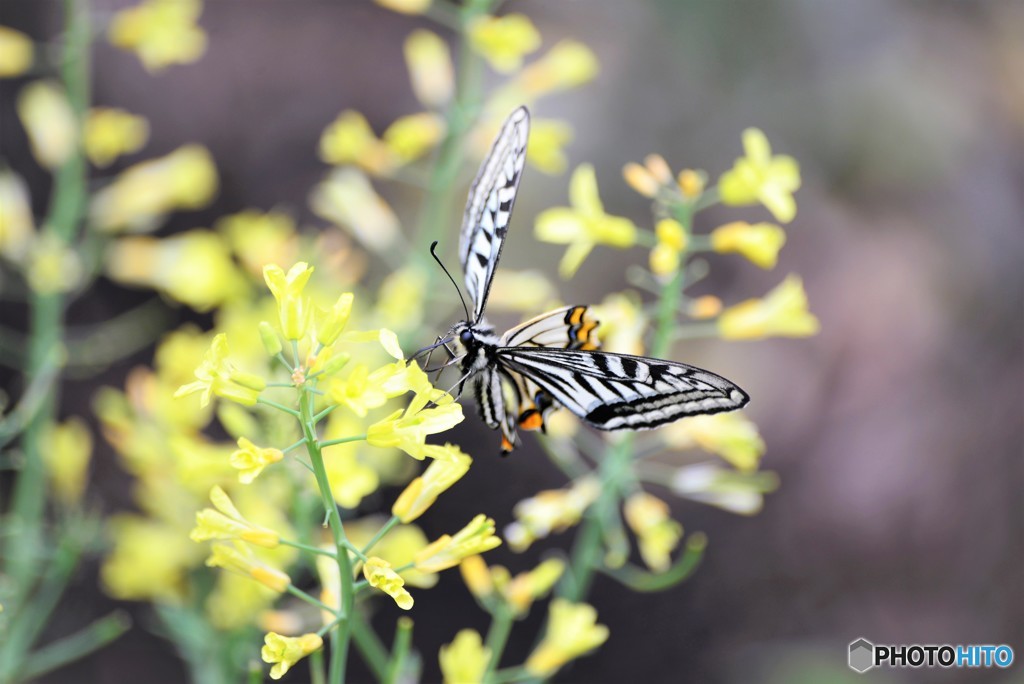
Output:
(489, 208)
(620, 391)
(567, 328)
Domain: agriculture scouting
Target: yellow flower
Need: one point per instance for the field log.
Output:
(160, 32)
(572, 630)
(550, 511)
(782, 313)
(400, 298)
(398, 547)
(250, 460)
(504, 41)
(657, 533)
(347, 199)
(672, 240)
(405, 6)
(379, 574)
(760, 177)
(650, 178)
(544, 148)
(623, 323)
(448, 551)
(333, 321)
(465, 660)
(227, 523)
(350, 140)
(706, 306)
(16, 224)
(143, 193)
(284, 651)
(410, 137)
(709, 483)
(109, 133)
(422, 492)
(527, 587)
(732, 436)
(357, 392)
(16, 52)
(217, 375)
(236, 602)
(691, 183)
(349, 477)
(293, 307)
(53, 265)
(48, 119)
(238, 558)
(66, 450)
(149, 559)
(760, 242)
(585, 224)
(408, 430)
(260, 238)
(568, 64)
(477, 576)
(430, 67)
(194, 267)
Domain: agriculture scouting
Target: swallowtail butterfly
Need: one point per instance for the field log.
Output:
(552, 360)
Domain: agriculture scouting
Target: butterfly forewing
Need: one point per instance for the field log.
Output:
(619, 391)
(489, 208)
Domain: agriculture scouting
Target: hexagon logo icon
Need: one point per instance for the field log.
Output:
(862, 655)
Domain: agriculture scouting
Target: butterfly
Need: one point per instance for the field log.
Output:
(552, 360)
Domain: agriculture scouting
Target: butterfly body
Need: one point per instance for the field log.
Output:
(552, 360)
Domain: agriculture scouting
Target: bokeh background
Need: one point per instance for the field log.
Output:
(896, 432)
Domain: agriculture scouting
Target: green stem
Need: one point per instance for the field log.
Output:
(342, 440)
(400, 651)
(388, 526)
(307, 547)
(279, 407)
(310, 599)
(497, 637)
(316, 667)
(370, 646)
(46, 312)
(66, 650)
(339, 636)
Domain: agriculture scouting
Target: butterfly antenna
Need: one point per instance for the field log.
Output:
(433, 246)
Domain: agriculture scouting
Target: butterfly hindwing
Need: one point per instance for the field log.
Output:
(620, 391)
(489, 208)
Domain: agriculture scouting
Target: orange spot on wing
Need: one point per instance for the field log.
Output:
(577, 315)
(531, 420)
(506, 445)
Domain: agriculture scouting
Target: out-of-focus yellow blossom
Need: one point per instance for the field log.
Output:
(53, 266)
(110, 132)
(400, 298)
(732, 436)
(504, 41)
(48, 119)
(657, 533)
(217, 375)
(527, 587)
(16, 224)
(544, 150)
(667, 253)
(408, 430)
(260, 238)
(410, 137)
(149, 559)
(435, 480)
(572, 630)
(706, 306)
(236, 600)
(143, 193)
(623, 323)
(430, 67)
(238, 558)
(356, 392)
(584, 225)
(333, 320)
(477, 576)
(16, 52)
(293, 306)
(709, 483)
(284, 651)
(350, 140)
(650, 178)
(379, 574)
(350, 479)
(398, 547)
(781, 313)
(448, 551)
(525, 291)
(66, 450)
(160, 32)
(567, 64)
(194, 267)
(760, 177)
(760, 242)
(465, 659)
(227, 523)
(550, 511)
(691, 183)
(347, 199)
(405, 6)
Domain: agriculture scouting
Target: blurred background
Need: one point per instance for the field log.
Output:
(896, 432)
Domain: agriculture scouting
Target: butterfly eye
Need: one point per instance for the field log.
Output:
(466, 336)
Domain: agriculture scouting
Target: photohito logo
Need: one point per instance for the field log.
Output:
(864, 655)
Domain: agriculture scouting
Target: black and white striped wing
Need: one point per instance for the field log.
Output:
(489, 208)
(619, 391)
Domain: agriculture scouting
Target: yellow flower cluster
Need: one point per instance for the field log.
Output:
(550, 511)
